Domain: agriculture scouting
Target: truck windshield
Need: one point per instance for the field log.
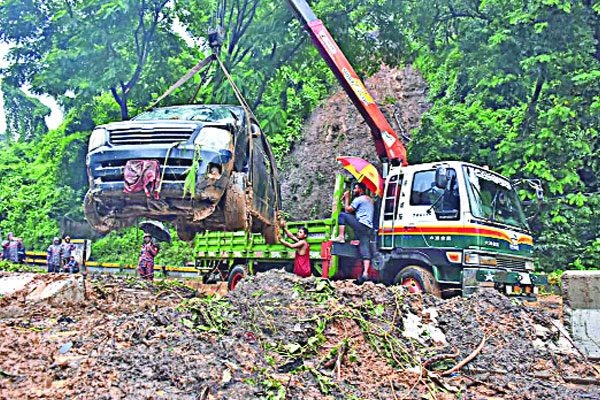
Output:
(493, 198)
(189, 113)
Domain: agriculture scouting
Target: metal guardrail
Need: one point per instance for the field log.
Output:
(39, 258)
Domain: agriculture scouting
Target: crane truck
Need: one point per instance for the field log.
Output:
(442, 226)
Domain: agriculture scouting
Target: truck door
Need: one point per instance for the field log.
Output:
(432, 211)
(391, 217)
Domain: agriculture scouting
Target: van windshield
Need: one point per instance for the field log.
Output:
(189, 113)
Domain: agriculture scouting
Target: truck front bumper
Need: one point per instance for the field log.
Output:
(515, 283)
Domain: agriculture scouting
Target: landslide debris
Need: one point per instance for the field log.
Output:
(336, 128)
(278, 336)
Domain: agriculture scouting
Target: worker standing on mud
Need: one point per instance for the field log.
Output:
(54, 257)
(146, 262)
(359, 215)
(67, 249)
(302, 256)
(12, 248)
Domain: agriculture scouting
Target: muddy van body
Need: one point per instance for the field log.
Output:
(214, 170)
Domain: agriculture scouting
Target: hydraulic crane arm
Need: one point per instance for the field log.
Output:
(388, 146)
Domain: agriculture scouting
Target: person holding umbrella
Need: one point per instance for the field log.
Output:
(359, 215)
(146, 261)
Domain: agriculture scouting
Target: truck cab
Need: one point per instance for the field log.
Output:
(451, 225)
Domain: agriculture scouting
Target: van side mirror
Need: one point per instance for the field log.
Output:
(441, 177)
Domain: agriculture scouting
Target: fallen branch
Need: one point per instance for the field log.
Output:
(466, 360)
(168, 291)
(415, 384)
(565, 335)
(392, 387)
(440, 357)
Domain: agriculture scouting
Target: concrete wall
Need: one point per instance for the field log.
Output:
(581, 309)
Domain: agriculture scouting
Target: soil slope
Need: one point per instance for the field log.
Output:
(336, 128)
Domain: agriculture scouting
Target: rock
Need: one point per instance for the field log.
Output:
(14, 283)
(67, 290)
(541, 331)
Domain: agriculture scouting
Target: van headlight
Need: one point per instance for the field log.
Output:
(97, 139)
(213, 137)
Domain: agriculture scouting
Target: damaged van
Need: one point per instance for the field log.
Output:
(198, 167)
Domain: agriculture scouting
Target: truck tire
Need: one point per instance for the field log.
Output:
(418, 280)
(235, 275)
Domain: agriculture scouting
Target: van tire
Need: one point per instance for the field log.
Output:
(418, 280)
(235, 275)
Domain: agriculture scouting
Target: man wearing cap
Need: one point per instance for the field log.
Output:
(12, 249)
(67, 250)
(146, 262)
(54, 257)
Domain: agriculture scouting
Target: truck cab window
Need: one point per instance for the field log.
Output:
(445, 202)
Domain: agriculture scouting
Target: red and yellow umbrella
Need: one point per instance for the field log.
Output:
(364, 172)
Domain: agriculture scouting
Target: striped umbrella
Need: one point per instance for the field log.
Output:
(364, 172)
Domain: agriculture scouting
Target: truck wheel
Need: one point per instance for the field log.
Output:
(418, 280)
(235, 276)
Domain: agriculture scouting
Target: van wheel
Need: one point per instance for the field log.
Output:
(269, 233)
(185, 232)
(418, 280)
(235, 276)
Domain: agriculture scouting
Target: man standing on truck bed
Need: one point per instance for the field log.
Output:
(359, 215)
(302, 256)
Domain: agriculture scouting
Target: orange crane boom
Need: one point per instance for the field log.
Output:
(389, 147)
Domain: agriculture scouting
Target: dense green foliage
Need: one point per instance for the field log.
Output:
(513, 84)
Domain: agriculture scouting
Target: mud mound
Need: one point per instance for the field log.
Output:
(278, 336)
(336, 128)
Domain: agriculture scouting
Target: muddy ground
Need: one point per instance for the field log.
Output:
(335, 128)
(282, 337)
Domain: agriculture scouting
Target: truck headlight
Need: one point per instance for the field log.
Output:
(529, 265)
(471, 258)
(97, 139)
(213, 137)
